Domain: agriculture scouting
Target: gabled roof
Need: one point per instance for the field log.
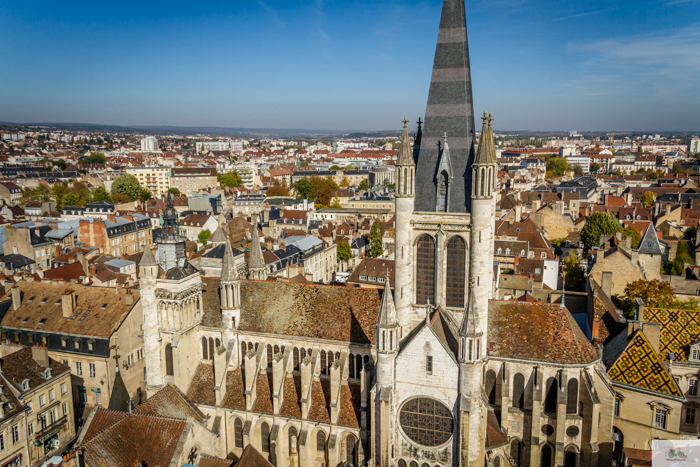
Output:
(638, 365)
(172, 403)
(679, 329)
(650, 242)
(444, 329)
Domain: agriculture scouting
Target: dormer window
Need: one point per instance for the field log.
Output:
(695, 352)
(25, 385)
(47, 373)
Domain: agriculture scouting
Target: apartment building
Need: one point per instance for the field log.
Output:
(10, 192)
(93, 330)
(154, 179)
(99, 209)
(30, 240)
(41, 388)
(191, 180)
(117, 235)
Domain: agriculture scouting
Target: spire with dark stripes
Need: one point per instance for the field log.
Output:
(449, 110)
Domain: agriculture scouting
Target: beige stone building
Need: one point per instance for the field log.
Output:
(40, 387)
(191, 180)
(30, 240)
(117, 236)
(154, 179)
(93, 330)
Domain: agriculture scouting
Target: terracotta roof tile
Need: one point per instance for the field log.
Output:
(350, 405)
(291, 405)
(235, 389)
(320, 401)
(170, 402)
(263, 401)
(201, 389)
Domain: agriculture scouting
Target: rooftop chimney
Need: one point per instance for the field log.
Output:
(41, 355)
(16, 298)
(68, 302)
(606, 286)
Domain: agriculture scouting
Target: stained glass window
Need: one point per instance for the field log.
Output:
(425, 265)
(456, 275)
(426, 422)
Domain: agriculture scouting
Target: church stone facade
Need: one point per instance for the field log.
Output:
(436, 372)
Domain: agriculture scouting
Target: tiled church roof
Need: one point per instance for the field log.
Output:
(638, 365)
(201, 389)
(536, 331)
(300, 310)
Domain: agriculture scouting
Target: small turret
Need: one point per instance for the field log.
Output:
(388, 335)
(485, 163)
(405, 166)
(230, 290)
(256, 262)
(470, 332)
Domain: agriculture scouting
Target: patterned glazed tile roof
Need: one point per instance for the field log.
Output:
(536, 331)
(320, 401)
(679, 328)
(291, 406)
(235, 389)
(170, 402)
(638, 365)
(201, 389)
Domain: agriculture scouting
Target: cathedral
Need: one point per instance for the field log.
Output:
(436, 372)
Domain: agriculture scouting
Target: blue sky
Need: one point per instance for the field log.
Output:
(348, 65)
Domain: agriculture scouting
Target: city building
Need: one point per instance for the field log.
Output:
(30, 240)
(41, 388)
(117, 236)
(693, 145)
(149, 144)
(580, 161)
(154, 179)
(191, 180)
(10, 192)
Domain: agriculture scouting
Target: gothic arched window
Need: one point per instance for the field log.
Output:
(211, 349)
(323, 362)
(456, 275)
(351, 360)
(515, 452)
(320, 441)
(572, 396)
(238, 432)
(296, 359)
(292, 442)
(169, 370)
(204, 349)
(519, 391)
(265, 437)
(269, 356)
(490, 386)
(443, 187)
(550, 401)
(425, 270)
(351, 452)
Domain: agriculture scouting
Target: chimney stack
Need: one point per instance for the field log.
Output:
(41, 355)
(606, 286)
(16, 298)
(68, 302)
(635, 257)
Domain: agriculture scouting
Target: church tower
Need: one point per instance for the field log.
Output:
(405, 196)
(230, 290)
(148, 276)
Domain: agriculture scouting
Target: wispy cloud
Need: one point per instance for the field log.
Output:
(674, 49)
(325, 41)
(579, 15)
(272, 12)
(676, 2)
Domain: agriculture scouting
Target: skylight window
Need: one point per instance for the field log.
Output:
(42, 320)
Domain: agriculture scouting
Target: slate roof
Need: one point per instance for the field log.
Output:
(90, 319)
(20, 365)
(650, 242)
(536, 331)
(638, 365)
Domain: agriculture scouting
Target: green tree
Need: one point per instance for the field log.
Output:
(654, 294)
(557, 166)
(174, 191)
(93, 158)
(364, 184)
(335, 167)
(634, 234)
(128, 185)
(145, 195)
(230, 179)
(277, 190)
(61, 164)
(677, 266)
(344, 252)
(302, 188)
(58, 190)
(376, 245)
(70, 199)
(574, 273)
(119, 198)
(100, 194)
(648, 198)
(203, 236)
(598, 224)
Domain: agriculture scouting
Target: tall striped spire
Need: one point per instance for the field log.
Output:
(449, 110)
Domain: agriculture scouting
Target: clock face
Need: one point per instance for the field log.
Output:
(170, 212)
